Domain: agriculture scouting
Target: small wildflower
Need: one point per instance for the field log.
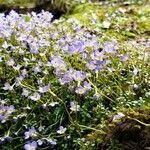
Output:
(97, 56)
(5, 112)
(53, 104)
(80, 90)
(17, 67)
(7, 86)
(24, 72)
(44, 89)
(10, 62)
(57, 62)
(25, 92)
(10, 109)
(37, 69)
(31, 146)
(91, 65)
(96, 96)
(44, 106)
(5, 45)
(51, 141)
(41, 128)
(110, 47)
(79, 76)
(124, 57)
(61, 130)
(74, 107)
(40, 142)
(135, 71)
(36, 96)
(135, 86)
(18, 80)
(67, 78)
(31, 133)
(118, 116)
(106, 24)
(87, 85)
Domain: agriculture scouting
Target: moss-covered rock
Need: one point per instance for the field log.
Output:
(126, 132)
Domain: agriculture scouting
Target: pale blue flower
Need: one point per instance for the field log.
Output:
(87, 85)
(80, 90)
(61, 130)
(30, 146)
(79, 75)
(7, 86)
(35, 97)
(74, 106)
(135, 71)
(5, 45)
(10, 62)
(31, 133)
(51, 141)
(25, 92)
(40, 142)
(44, 89)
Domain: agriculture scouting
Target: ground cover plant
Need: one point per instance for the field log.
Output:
(64, 83)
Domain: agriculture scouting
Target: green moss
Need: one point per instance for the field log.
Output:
(130, 132)
(19, 3)
(133, 23)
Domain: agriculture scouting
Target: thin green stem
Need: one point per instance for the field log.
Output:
(54, 95)
(96, 90)
(90, 128)
(145, 124)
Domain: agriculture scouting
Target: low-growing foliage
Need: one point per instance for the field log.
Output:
(60, 80)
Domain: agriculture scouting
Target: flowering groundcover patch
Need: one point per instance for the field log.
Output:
(60, 80)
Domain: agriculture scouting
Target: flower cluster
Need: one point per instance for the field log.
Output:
(6, 112)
